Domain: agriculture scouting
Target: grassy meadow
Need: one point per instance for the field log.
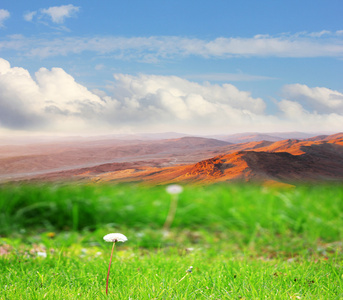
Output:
(243, 241)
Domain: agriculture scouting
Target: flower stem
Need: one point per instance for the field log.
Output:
(109, 268)
(171, 213)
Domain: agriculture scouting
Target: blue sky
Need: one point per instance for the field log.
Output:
(189, 66)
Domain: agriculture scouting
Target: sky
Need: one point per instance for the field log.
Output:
(198, 67)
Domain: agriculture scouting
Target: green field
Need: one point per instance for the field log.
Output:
(243, 241)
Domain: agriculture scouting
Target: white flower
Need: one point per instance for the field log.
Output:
(174, 189)
(41, 254)
(115, 237)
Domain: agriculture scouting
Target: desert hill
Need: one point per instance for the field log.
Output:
(286, 161)
(17, 161)
(181, 159)
(326, 137)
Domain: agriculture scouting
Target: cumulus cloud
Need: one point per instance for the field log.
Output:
(317, 99)
(53, 100)
(292, 110)
(312, 108)
(4, 14)
(181, 98)
(154, 48)
(296, 117)
(50, 100)
(17, 93)
(59, 13)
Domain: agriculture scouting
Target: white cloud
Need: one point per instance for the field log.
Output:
(173, 103)
(53, 100)
(311, 109)
(99, 67)
(4, 14)
(320, 33)
(272, 46)
(152, 49)
(292, 110)
(61, 91)
(317, 99)
(298, 118)
(158, 87)
(59, 13)
(29, 16)
(228, 77)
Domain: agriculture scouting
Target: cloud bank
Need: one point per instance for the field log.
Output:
(154, 48)
(52, 100)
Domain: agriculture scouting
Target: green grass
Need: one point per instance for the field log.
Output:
(136, 275)
(244, 241)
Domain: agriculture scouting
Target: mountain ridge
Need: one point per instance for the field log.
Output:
(307, 162)
(186, 159)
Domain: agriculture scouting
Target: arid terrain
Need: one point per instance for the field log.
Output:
(177, 158)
